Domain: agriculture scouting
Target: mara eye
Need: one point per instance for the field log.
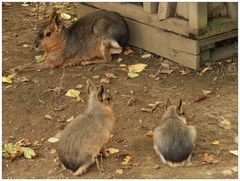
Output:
(108, 99)
(48, 34)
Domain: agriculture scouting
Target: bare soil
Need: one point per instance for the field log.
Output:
(25, 105)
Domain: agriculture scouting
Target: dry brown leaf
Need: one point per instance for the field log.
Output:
(105, 80)
(149, 133)
(48, 117)
(70, 119)
(23, 142)
(200, 98)
(111, 75)
(119, 171)
(206, 92)
(128, 51)
(209, 159)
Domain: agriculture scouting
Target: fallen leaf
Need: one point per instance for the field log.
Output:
(40, 58)
(146, 55)
(65, 16)
(206, 92)
(165, 65)
(128, 51)
(70, 119)
(132, 74)
(25, 4)
(48, 117)
(227, 172)
(28, 152)
(136, 68)
(6, 80)
(53, 140)
(119, 60)
(119, 171)
(95, 77)
(21, 79)
(216, 142)
(112, 150)
(122, 66)
(25, 45)
(234, 152)
(209, 159)
(200, 98)
(73, 93)
(225, 123)
(111, 75)
(126, 160)
(166, 71)
(205, 69)
(105, 80)
(79, 86)
(11, 75)
(153, 107)
(150, 133)
(23, 142)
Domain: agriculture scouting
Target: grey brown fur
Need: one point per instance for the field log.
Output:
(174, 140)
(86, 135)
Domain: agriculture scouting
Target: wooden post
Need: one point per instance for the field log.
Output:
(233, 10)
(166, 10)
(198, 17)
(150, 7)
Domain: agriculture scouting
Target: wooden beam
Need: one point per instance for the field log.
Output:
(166, 10)
(176, 25)
(182, 10)
(233, 10)
(198, 17)
(150, 7)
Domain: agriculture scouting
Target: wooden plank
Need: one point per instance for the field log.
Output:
(166, 10)
(150, 7)
(204, 56)
(182, 10)
(166, 44)
(223, 52)
(233, 10)
(178, 26)
(217, 38)
(198, 18)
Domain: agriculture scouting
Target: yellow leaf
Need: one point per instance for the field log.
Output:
(206, 92)
(73, 93)
(234, 152)
(126, 159)
(146, 55)
(205, 69)
(122, 66)
(132, 74)
(119, 60)
(139, 67)
(53, 140)
(112, 150)
(150, 133)
(40, 58)
(65, 16)
(216, 142)
(6, 80)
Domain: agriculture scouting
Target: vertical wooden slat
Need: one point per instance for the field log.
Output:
(166, 10)
(150, 7)
(233, 10)
(198, 18)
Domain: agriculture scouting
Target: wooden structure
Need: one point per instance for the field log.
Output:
(188, 33)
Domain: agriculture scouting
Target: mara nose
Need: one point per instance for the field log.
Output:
(36, 44)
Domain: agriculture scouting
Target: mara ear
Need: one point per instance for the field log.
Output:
(57, 22)
(101, 93)
(91, 87)
(179, 107)
(168, 103)
(52, 14)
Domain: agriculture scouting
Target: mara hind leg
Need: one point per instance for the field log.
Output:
(83, 168)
